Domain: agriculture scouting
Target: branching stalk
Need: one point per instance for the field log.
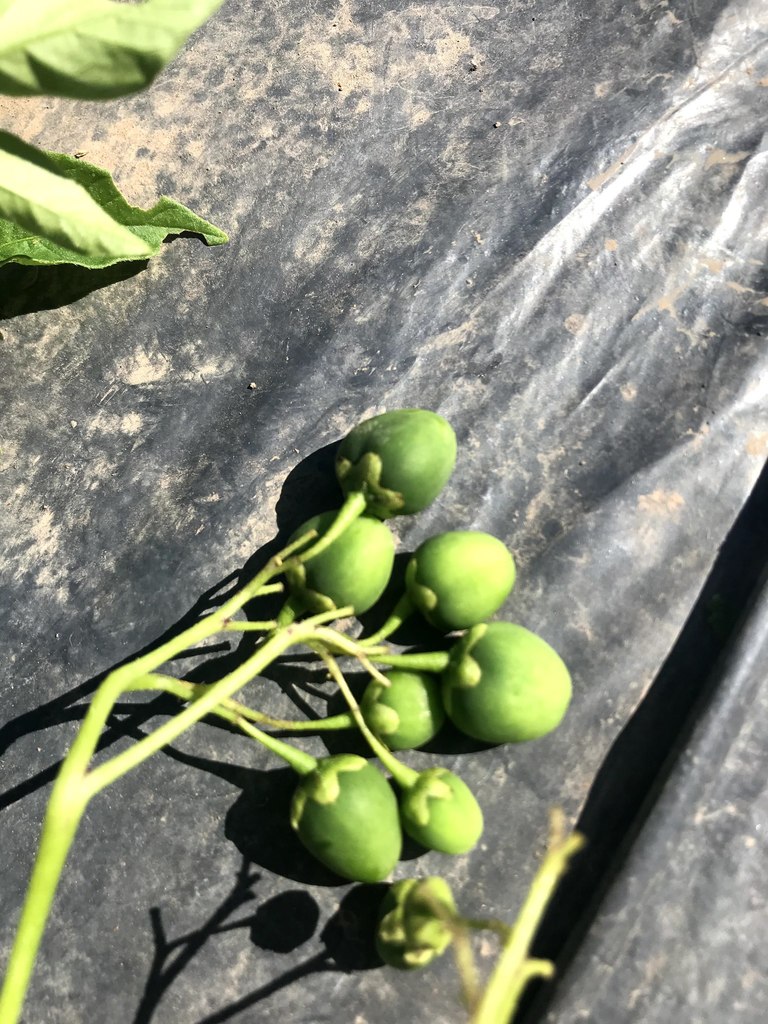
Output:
(77, 782)
(75, 785)
(514, 968)
(231, 710)
(402, 774)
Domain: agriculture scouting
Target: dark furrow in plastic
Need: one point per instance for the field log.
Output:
(646, 752)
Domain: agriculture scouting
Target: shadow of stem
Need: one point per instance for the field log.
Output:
(281, 924)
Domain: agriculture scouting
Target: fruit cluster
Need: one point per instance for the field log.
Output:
(497, 682)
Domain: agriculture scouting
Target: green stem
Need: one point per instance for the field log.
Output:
(462, 948)
(262, 626)
(62, 817)
(333, 723)
(232, 710)
(301, 762)
(466, 966)
(69, 798)
(337, 643)
(404, 776)
(514, 969)
(515, 981)
(353, 507)
(425, 661)
(227, 686)
(209, 625)
(270, 588)
(402, 610)
(289, 612)
(73, 788)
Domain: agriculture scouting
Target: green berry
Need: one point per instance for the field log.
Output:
(440, 812)
(414, 922)
(353, 570)
(460, 578)
(400, 460)
(504, 684)
(345, 813)
(406, 714)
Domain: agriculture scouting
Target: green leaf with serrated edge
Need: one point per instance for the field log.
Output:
(146, 229)
(91, 49)
(36, 198)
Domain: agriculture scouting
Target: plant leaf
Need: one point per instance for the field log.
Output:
(40, 200)
(91, 49)
(145, 229)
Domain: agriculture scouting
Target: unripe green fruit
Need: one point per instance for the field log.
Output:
(414, 922)
(400, 460)
(460, 578)
(440, 812)
(353, 570)
(345, 813)
(407, 713)
(504, 684)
